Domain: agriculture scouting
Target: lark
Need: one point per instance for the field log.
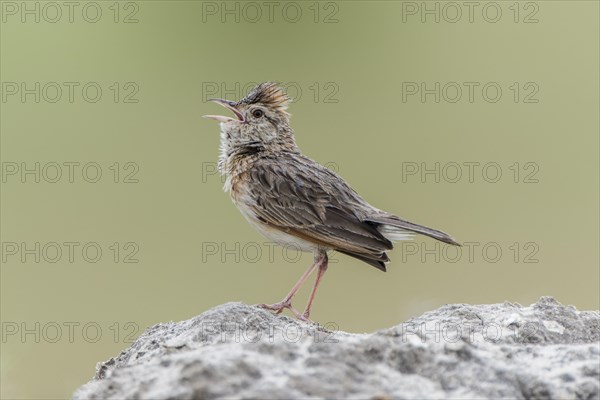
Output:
(294, 201)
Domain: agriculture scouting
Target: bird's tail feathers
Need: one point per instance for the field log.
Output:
(395, 229)
(394, 233)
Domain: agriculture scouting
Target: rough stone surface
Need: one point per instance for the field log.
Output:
(462, 351)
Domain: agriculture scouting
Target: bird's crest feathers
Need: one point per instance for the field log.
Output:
(270, 94)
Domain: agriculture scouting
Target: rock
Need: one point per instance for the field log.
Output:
(546, 350)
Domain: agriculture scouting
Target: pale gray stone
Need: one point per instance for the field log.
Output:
(459, 351)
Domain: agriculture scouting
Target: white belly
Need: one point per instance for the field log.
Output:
(275, 235)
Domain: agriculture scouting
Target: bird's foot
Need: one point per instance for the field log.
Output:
(282, 305)
(305, 317)
(279, 307)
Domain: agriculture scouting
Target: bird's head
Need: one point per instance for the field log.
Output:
(260, 118)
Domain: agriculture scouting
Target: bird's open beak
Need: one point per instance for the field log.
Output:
(229, 105)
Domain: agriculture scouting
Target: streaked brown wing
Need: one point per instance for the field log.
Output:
(300, 197)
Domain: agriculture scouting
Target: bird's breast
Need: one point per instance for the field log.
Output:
(246, 204)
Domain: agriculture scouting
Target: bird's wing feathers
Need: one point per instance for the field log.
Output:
(305, 199)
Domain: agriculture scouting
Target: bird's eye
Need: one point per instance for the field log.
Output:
(257, 113)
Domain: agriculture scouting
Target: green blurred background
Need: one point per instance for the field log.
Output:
(351, 66)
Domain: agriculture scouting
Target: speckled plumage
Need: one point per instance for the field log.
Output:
(293, 200)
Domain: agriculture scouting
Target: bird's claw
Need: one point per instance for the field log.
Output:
(282, 305)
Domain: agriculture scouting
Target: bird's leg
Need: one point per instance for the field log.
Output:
(320, 273)
(287, 300)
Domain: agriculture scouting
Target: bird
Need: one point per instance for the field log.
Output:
(293, 200)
